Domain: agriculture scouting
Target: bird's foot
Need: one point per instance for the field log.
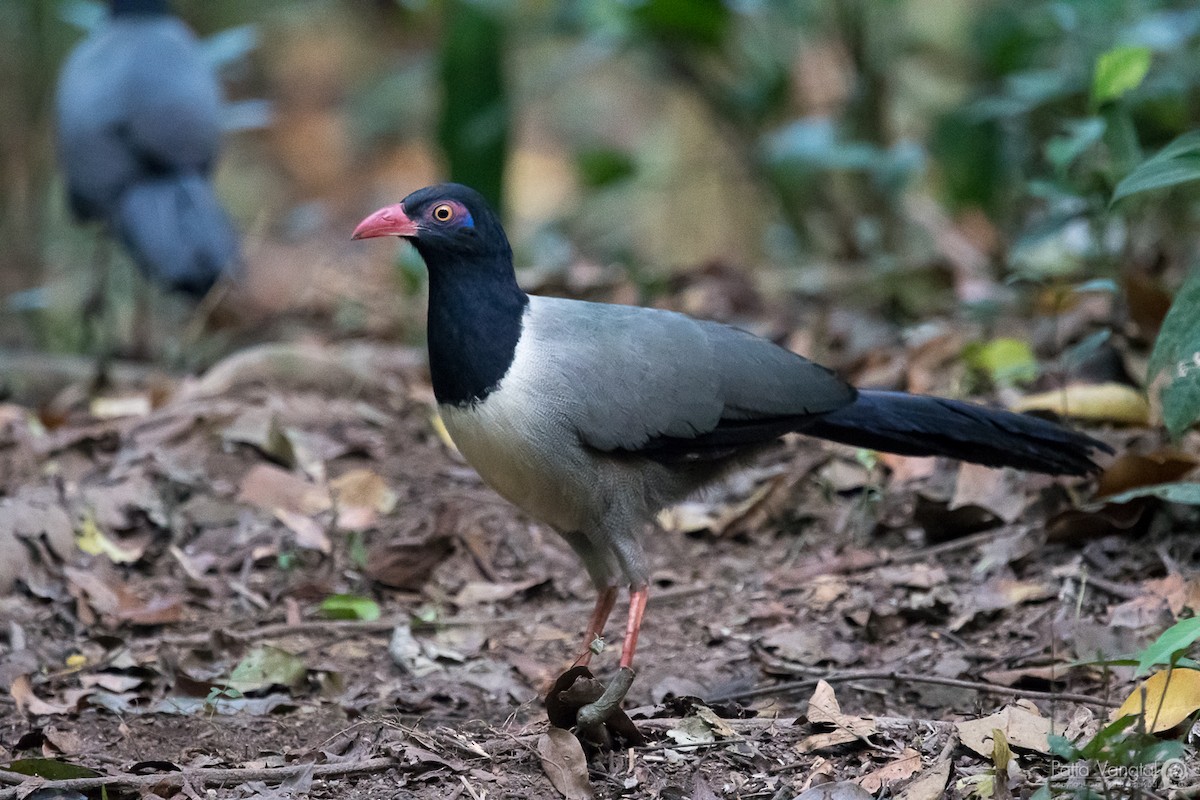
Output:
(579, 701)
(596, 713)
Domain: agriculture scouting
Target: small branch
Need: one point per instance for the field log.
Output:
(204, 776)
(903, 677)
(385, 626)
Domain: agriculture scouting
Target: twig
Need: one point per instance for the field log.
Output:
(903, 677)
(383, 626)
(207, 776)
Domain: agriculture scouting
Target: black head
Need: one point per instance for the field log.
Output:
(447, 223)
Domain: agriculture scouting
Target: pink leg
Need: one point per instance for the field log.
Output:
(637, 609)
(595, 628)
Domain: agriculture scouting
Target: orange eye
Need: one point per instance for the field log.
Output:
(443, 213)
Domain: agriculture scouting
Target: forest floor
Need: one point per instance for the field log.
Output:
(168, 559)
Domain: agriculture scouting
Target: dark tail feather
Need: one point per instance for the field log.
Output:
(919, 425)
(177, 232)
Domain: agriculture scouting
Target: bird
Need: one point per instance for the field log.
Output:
(138, 129)
(592, 417)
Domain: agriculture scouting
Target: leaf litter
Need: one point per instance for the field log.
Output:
(170, 563)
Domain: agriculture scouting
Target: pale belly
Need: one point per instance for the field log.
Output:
(500, 447)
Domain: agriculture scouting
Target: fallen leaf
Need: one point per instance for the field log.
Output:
(478, 592)
(260, 428)
(1163, 700)
(930, 784)
(31, 513)
(999, 492)
(563, 762)
(1103, 402)
(27, 702)
(137, 405)
(1020, 723)
(267, 666)
(91, 540)
(824, 709)
(902, 768)
(361, 496)
(1131, 471)
(269, 487)
(309, 534)
(408, 565)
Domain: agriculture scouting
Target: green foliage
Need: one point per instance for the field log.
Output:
(1174, 642)
(1119, 71)
(473, 128)
(350, 606)
(1178, 162)
(1177, 353)
(1005, 361)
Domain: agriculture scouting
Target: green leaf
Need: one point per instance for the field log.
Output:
(1178, 162)
(1005, 361)
(1177, 352)
(1184, 493)
(1174, 641)
(1062, 151)
(266, 666)
(350, 606)
(49, 768)
(603, 166)
(473, 128)
(1119, 71)
(1154, 174)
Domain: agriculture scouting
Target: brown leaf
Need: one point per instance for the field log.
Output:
(564, 764)
(1020, 723)
(29, 703)
(999, 492)
(1131, 471)
(269, 487)
(361, 496)
(408, 565)
(309, 534)
(930, 784)
(31, 513)
(260, 428)
(902, 768)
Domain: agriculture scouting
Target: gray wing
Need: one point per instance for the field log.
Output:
(658, 382)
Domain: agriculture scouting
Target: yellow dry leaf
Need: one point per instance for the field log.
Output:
(439, 428)
(1109, 402)
(91, 540)
(1165, 699)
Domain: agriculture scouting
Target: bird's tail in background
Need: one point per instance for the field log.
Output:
(177, 232)
(918, 425)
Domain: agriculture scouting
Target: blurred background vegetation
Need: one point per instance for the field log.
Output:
(919, 157)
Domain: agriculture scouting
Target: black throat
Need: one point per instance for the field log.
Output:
(475, 313)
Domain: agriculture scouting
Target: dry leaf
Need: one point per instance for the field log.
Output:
(564, 764)
(309, 534)
(361, 496)
(823, 709)
(1104, 402)
(997, 491)
(260, 428)
(1020, 723)
(930, 784)
(270, 487)
(1165, 699)
(29, 703)
(1131, 471)
(903, 768)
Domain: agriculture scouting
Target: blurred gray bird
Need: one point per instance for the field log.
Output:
(139, 128)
